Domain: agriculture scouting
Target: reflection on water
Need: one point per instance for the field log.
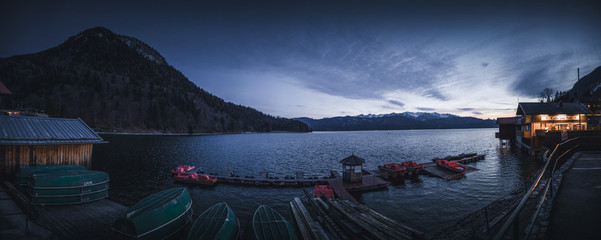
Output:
(139, 166)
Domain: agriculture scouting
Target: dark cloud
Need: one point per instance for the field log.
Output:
(425, 109)
(476, 113)
(485, 64)
(546, 71)
(465, 109)
(400, 104)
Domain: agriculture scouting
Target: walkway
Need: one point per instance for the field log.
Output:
(13, 224)
(577, 206)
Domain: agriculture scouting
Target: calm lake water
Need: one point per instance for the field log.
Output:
(139, 166)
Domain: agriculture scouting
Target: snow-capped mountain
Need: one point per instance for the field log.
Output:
(395, 121)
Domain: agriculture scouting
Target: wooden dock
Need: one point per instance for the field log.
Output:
(91, 220)
(264, 181)
(435, 171)
(342, 190)
(323, 218)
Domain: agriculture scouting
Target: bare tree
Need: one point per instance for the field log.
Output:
(545, 95)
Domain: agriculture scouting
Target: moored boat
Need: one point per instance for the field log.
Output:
(325, 190)
(268, 224)
(195, 178)
(412, 166)
(392, 168)
(182, 169)
(450, 165)
(61, 187)
(157, 216)
(24, 173)
(217, 222)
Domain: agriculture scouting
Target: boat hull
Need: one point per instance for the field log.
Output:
(62, 187)
(157, 216)
(269, 224)
(217, 222)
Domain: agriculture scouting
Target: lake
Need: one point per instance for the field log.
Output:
(139, 166)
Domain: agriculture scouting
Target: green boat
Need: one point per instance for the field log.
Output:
(157, 216)
(26, 172)
(61, 187)
(217, 222)
(269, 224)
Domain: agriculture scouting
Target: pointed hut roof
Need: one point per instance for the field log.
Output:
(352, 160)
(4, 89)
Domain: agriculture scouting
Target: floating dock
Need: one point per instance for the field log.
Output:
(432, 170)
(264, 181)
(323, 218)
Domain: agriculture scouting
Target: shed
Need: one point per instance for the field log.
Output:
(352, 168)
(31, 141)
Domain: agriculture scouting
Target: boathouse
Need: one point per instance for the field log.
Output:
(547, 124)
(31, 141)
(352, 169)
(508, 126)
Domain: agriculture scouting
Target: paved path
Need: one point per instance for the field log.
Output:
(576, 212)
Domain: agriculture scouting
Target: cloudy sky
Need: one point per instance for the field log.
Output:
(331, 58)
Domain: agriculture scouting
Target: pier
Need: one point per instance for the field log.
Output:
(92, 220)
(323, 218)
(264, 181)
(370, 182)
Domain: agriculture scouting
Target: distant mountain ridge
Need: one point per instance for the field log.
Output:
(119, 83)
(396, 121)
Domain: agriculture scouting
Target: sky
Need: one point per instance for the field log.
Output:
(336, 58)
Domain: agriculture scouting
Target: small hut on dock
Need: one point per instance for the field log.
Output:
(31, 141)
(352, 169)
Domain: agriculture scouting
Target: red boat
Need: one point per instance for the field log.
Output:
(450, 165)
(194, 178)
(411, 166)
(182, 169)
(326, 190)
(392, 168)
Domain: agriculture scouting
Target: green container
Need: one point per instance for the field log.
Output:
(269, 224)
(218, 222)
(157, 216)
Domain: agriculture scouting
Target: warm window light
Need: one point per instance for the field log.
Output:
(561, 117)
(544, 117)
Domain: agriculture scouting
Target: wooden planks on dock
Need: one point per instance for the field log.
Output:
(341, 219)
(82, 221)
(261, 180)
(433, 170)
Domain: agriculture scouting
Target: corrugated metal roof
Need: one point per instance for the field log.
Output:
(45, 131)
(552, 108)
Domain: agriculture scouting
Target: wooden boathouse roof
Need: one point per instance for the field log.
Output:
(352, 160)
(552, 108)
(45, 131)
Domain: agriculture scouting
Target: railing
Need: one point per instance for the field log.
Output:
(560, 154)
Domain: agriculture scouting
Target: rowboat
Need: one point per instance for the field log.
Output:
(456, 157)
(25, 172)
(61, 187)
(195, 178)
(157, 216)
(450, 165)
(217, 222)
(269, 224)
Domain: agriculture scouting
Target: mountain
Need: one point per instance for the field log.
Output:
(116, 82)
(396, 121)
(586, 87)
